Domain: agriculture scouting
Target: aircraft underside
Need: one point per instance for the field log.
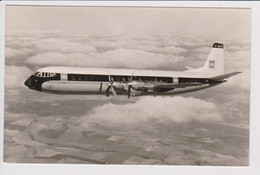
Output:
(100, 88)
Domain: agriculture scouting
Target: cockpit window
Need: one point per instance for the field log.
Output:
(37, 74)
(45, 74)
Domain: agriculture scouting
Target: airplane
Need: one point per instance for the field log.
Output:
(131, 82)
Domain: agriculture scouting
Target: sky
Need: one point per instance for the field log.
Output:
(227, 23)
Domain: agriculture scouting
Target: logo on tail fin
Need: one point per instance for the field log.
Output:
(212, 64)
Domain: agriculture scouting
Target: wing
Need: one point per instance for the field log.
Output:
(224, 76)
(177, 85)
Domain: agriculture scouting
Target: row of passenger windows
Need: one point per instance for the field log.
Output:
(45, 74)
(82, 77)
(158, 79)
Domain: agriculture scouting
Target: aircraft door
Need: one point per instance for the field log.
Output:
(63, 77)
(175, 80)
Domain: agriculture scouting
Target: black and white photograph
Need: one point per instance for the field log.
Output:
(127, 85)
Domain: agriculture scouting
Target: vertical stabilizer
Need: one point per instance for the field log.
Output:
(215, 62)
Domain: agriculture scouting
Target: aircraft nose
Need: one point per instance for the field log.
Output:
(28, 82)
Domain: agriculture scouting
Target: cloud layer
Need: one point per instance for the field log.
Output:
(15, 76)
(153, 109)
(40, 48)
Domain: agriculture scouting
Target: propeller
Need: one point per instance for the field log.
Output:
(107, 91)
(130, 86)
(110, 86)
(129, 91)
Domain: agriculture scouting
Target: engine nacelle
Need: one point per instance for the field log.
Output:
(119, 85)
(142, 86)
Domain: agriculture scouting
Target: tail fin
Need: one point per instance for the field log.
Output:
(214, 65)
(215, 62)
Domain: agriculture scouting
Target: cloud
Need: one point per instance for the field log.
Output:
(10, 52)
(235, 48)
(202, 50)
(15, 76)
(156, 109)
(41, 48)
(119, 58)
(240, 82)
(122, 51)
(239, 60)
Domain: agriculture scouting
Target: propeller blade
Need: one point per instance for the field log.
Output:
(109, 78)
(110, 85)
(129, 91)
(113, 91)
(130, 79)
(107, 91)
(129, 84)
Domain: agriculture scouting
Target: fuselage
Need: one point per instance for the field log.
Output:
(71, 80)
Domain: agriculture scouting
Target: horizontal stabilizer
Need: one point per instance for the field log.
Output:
(224, 76)
(179, 85)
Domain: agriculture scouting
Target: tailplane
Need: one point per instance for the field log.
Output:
(224, 76)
